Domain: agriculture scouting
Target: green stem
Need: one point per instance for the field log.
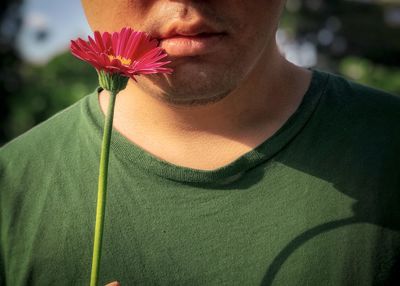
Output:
(101, 192)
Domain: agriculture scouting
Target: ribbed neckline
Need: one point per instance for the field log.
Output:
(127, 150)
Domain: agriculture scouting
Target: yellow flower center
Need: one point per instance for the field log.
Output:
(123, 60)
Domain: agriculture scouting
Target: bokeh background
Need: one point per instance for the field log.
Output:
(38, 77)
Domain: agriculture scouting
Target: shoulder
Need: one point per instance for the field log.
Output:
(356, 121)
(359, 125)
(43, 144)
(361, 99)
(45, 133)
(358, 107)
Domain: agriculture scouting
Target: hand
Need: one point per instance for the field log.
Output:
(115, 283)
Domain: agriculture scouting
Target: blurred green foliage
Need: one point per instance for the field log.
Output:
(357, 39)
(46, 90)
(368, 29)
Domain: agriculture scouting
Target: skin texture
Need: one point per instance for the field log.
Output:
(224, 102)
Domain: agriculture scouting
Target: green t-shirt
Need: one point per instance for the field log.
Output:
(315, 204)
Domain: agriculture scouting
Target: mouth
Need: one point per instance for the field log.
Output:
(191, 40)
(178, 45)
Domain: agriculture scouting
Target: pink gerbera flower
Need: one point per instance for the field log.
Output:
(128, 53)
(116, 57)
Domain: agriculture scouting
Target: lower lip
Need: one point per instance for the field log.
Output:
(191, 45)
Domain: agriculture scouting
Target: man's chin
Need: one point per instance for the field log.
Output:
(192, 100)
(194, 88)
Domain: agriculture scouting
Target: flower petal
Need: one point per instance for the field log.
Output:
(127, 52)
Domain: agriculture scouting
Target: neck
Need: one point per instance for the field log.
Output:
(264, 99)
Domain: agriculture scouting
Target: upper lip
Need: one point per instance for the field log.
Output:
(187, 30)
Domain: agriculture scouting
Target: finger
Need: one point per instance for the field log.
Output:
(115, 283)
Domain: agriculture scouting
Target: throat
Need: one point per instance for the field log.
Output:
(206, 157)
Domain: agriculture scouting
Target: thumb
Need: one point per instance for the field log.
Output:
(115, 283)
